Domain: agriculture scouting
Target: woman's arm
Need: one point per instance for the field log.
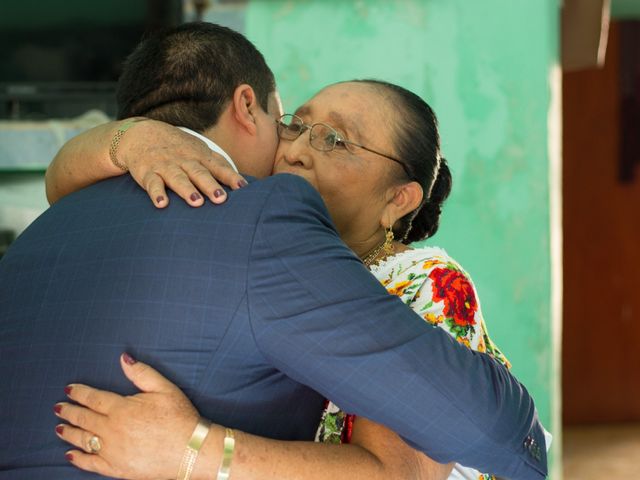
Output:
(385, 444)
(156, 154)
(144, 436)
(375, 452)
(81, 161)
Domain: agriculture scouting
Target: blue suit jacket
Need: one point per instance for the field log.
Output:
(256, 309)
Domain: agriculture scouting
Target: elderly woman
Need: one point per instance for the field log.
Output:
(381, 175)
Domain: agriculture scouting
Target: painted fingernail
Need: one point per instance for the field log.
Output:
(159, 199)
(59, 429)
(67, 389)
(57, 408)
(128, 359)
(68, 456)
(195, 196)
(218, 193)
(242, 183)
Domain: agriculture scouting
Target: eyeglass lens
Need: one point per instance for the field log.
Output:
(289, 127)
(321, 137)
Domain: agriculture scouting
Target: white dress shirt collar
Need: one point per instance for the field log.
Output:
(212, 145)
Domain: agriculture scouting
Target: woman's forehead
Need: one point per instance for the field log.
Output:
(346, 103)
(345, 93)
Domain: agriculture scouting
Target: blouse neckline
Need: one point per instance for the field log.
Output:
(420, 252)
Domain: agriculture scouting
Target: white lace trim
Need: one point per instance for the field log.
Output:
(413, 255)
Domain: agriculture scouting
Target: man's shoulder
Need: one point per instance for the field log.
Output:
(282, 192)
(289, 192)
(117, 189)
(287, 183)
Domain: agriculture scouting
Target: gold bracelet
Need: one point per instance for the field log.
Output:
(193, 447)
(227, 455)
(115, 141)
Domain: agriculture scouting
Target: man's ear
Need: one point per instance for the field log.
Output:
(245, 105)
(404, 198)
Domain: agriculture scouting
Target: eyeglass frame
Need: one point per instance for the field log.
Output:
(337, 138)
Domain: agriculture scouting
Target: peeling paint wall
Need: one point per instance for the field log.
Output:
(487, 68)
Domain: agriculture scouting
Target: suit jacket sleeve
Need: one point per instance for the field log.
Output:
(321, 318)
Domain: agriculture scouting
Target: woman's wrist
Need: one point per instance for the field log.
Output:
(116, 148)
(210, 456)
(190, 454)
(228, 449)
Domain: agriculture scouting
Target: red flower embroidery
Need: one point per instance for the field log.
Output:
(455, 290)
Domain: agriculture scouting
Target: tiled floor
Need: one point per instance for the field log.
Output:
(608, 452)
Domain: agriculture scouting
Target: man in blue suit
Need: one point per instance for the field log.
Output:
(255, 308)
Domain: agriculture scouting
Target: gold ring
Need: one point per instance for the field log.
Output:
(94, 444)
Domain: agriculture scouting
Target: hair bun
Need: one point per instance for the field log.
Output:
(427, 219)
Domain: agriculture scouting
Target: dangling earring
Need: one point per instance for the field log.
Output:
(386, 247)
(388, 241)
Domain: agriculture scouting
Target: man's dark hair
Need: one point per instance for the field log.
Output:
(186, 75)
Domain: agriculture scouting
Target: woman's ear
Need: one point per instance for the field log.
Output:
(404, 198)
(245, 104)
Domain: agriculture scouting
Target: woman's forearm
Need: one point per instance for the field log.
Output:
(258, 458)
(82, 161)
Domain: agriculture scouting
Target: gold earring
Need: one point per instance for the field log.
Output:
(388, 241)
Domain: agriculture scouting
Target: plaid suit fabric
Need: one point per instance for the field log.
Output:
(251, 307)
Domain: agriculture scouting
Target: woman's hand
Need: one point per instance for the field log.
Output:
(142, 436)
(159, 155)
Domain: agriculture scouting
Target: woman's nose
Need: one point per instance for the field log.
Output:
(298, 151)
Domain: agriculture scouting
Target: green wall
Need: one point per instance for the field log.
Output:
(485, 67)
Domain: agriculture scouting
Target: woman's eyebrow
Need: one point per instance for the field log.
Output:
(337, 120)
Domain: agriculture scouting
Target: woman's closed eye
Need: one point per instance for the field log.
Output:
(333, 140)
(338, 140)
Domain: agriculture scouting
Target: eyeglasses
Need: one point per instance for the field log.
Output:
(322, 137)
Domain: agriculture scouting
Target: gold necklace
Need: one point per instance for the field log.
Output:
(373, 254)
